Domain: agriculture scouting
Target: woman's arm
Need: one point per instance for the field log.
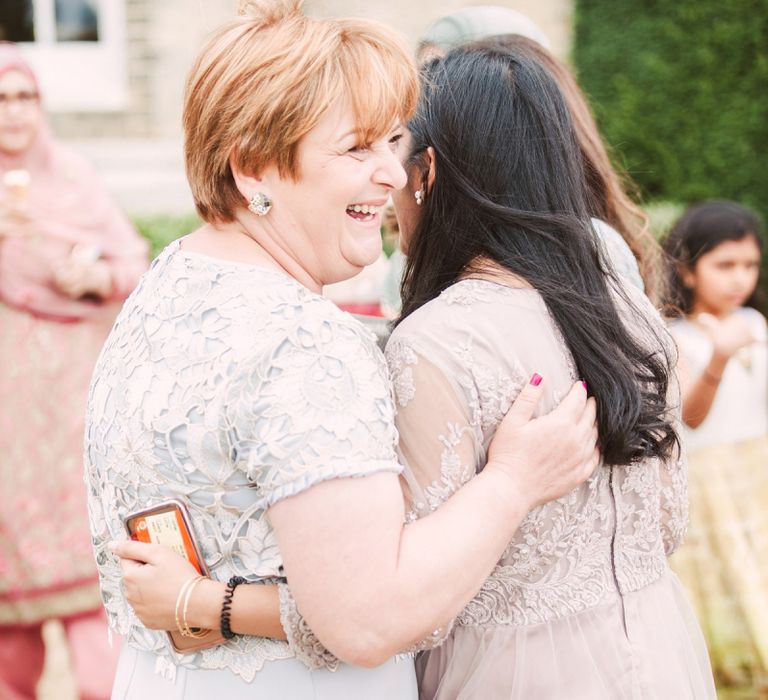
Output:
(373, 593)
(154, 575)
(316, 436)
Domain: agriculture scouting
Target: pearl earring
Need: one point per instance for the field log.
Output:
(260, 204)
(419, 195)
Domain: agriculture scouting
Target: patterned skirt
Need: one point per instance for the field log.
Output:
(724, 561)
(46, 561)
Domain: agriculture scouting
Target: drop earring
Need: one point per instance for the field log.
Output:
(260, 204)
(419, 196)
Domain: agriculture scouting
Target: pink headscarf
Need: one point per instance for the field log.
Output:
(68, 205)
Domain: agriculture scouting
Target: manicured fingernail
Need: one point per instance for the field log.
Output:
(584, 384)
(536, 379)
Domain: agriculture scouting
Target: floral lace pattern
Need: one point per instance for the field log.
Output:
(302, 640)
(606, 537)
(228, 388)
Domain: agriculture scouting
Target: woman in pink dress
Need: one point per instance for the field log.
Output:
(67, 260)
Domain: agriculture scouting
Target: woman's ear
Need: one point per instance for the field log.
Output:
(430, 163)
(247, 185)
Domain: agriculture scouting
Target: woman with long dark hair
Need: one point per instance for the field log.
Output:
(504, 272)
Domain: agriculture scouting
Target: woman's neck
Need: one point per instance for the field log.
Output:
(233, 242)
(486, 269)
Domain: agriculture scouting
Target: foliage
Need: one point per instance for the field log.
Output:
(160, 230)
(680, 91)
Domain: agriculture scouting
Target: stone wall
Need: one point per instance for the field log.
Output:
(163, 36)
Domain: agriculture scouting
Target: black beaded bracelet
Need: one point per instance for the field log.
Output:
(226, 606)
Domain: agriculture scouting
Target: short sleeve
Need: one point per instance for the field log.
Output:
(317, 406)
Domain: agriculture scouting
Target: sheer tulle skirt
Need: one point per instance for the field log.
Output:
(646, 645)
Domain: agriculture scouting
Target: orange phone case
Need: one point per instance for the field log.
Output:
(168, 524)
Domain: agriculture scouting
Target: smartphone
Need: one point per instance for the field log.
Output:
(168, 524)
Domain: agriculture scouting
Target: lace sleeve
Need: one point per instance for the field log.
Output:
(440, 440)
(301, 639)
(440, 435)
(439, 448)
(317, 407)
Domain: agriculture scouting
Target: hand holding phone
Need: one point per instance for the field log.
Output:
(153, 591)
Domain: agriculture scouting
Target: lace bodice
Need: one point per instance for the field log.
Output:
(486, 339)
(229, 388)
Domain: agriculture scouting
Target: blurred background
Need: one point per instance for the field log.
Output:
(679, 89)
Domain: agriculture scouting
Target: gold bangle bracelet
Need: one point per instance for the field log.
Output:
(711, 378)
(189, 631)
(179, 598)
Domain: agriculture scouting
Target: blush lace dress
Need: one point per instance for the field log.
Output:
(582, 604)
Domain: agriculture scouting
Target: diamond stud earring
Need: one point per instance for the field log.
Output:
(419, 196)
(260, 204)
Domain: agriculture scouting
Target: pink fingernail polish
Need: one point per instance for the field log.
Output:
(536, 379)
(584, 384)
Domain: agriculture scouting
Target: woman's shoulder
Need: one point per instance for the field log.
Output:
(469, 302)
(475, 322)
(242, 300)
(619, 253)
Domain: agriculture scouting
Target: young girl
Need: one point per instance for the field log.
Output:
(716, 249)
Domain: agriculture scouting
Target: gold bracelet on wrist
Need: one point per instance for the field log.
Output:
(179, 599)
(710, 378)
(194, 632)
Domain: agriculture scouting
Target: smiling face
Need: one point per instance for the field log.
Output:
(20, 113)
(329, 217)
(725, 277)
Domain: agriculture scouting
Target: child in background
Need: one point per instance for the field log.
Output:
(716, 250)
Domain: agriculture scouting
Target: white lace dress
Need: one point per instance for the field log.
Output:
(230, 387)
(582, 604)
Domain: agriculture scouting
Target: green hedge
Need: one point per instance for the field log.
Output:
(160, 230)
(680, 90)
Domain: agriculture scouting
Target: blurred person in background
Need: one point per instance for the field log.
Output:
(715, 249)
(68, 259)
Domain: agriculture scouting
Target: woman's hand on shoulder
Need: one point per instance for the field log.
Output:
(546, 457)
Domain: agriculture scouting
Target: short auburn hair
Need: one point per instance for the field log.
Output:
(264, 80)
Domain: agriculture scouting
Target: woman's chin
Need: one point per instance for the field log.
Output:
(362, 253)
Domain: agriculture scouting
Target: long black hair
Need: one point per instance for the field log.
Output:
(702, 228)
(510, 188)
